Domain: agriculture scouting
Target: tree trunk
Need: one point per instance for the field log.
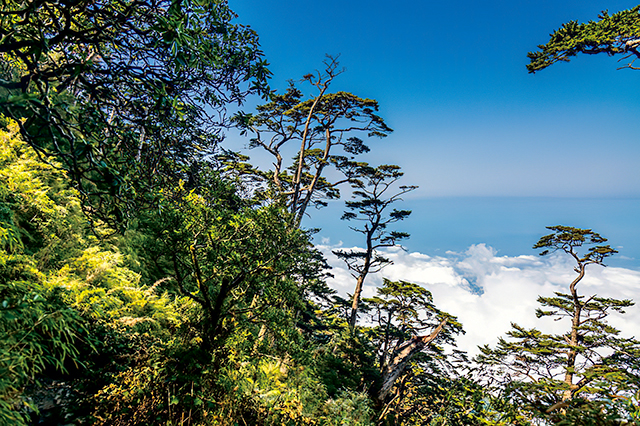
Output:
(361, 277)
(314, 182)
(356, 301)
(401, 357)
(215, 314)
(573, 339)
(303, 145)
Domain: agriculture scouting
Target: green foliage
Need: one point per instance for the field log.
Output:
(272, 392)
(240, 264)
(619, 410)
(617, 34)
(248, 388)
(106, 291)
(68, 302)
(410, 335)
(568, 239)
(348, 362)
(125, 95)
(373, 194)
(38, 229)
(349, 408)
(137, 396)
(436, 399)
(198, 312)
(39, 212)
(401, 310)
(37, 331)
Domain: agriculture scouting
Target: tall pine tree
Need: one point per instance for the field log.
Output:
(554, 375)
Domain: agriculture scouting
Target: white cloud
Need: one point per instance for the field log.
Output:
(487, 292)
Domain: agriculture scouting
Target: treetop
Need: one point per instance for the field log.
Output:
(567, 239)
(611, 34)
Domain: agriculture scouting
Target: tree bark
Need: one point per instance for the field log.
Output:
(401, 357)
(303, 145)
(573, 339)
(215, 314)
(312, 186)
(364, 271)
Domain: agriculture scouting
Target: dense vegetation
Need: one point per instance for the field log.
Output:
(150, 276)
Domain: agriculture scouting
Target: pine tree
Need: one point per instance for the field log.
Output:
(613, 35)
(554, 374)
(374, 192)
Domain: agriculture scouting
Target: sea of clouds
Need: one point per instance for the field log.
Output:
(488, 292)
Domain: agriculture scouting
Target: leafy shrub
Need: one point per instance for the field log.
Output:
(37, 331)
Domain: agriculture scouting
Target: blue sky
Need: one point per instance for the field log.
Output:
(451, 80)
(469, 120)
